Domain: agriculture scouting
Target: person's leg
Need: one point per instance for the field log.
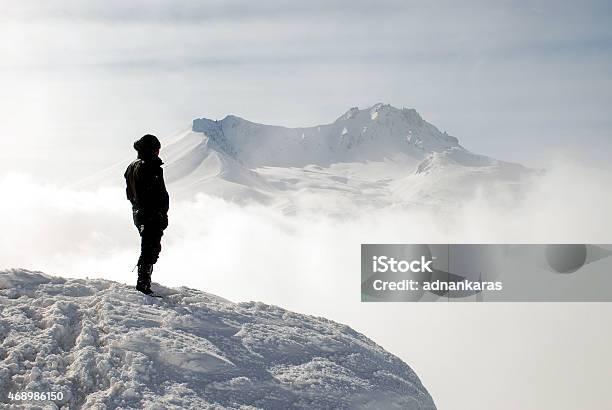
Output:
(150, 244)
(150, 248)
(143, 283)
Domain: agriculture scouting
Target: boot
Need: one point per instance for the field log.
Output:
(144, 279)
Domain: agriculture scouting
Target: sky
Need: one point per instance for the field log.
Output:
(527, 81)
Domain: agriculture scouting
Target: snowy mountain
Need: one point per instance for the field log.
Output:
(373, 134)
(104, 345)
(378, 156)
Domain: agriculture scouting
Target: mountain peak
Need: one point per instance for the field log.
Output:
(381, 110)
(370, 134)
(232, 118)
(378, 108)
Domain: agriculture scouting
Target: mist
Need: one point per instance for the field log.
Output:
(310, 263)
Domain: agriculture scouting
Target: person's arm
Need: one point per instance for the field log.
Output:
(165, 198)
(129, 183)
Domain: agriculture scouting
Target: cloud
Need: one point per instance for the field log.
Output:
(157, 32)
(310, 263)
(191, 11)
(219, 245)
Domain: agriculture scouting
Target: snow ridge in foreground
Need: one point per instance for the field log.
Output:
(104, 345)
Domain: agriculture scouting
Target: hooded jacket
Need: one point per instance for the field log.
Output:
(146, 190)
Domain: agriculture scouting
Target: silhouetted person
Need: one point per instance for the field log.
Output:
(147, 192)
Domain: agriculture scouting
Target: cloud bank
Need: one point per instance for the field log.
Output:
(309, 263)
(256, 252)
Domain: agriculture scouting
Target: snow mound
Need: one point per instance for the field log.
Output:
(104, 345)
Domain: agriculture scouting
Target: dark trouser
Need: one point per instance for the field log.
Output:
(151, 229)
(150, 242)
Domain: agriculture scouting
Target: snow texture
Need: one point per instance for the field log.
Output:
(106, 346)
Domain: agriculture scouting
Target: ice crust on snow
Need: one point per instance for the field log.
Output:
(106, 346)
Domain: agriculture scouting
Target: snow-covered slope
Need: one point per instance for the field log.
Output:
(105, 346)
(375, 157)
(379, 156)
(372, 134)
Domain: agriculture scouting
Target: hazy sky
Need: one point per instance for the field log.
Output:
(519, 80)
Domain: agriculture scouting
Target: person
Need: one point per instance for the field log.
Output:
(147, 192)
